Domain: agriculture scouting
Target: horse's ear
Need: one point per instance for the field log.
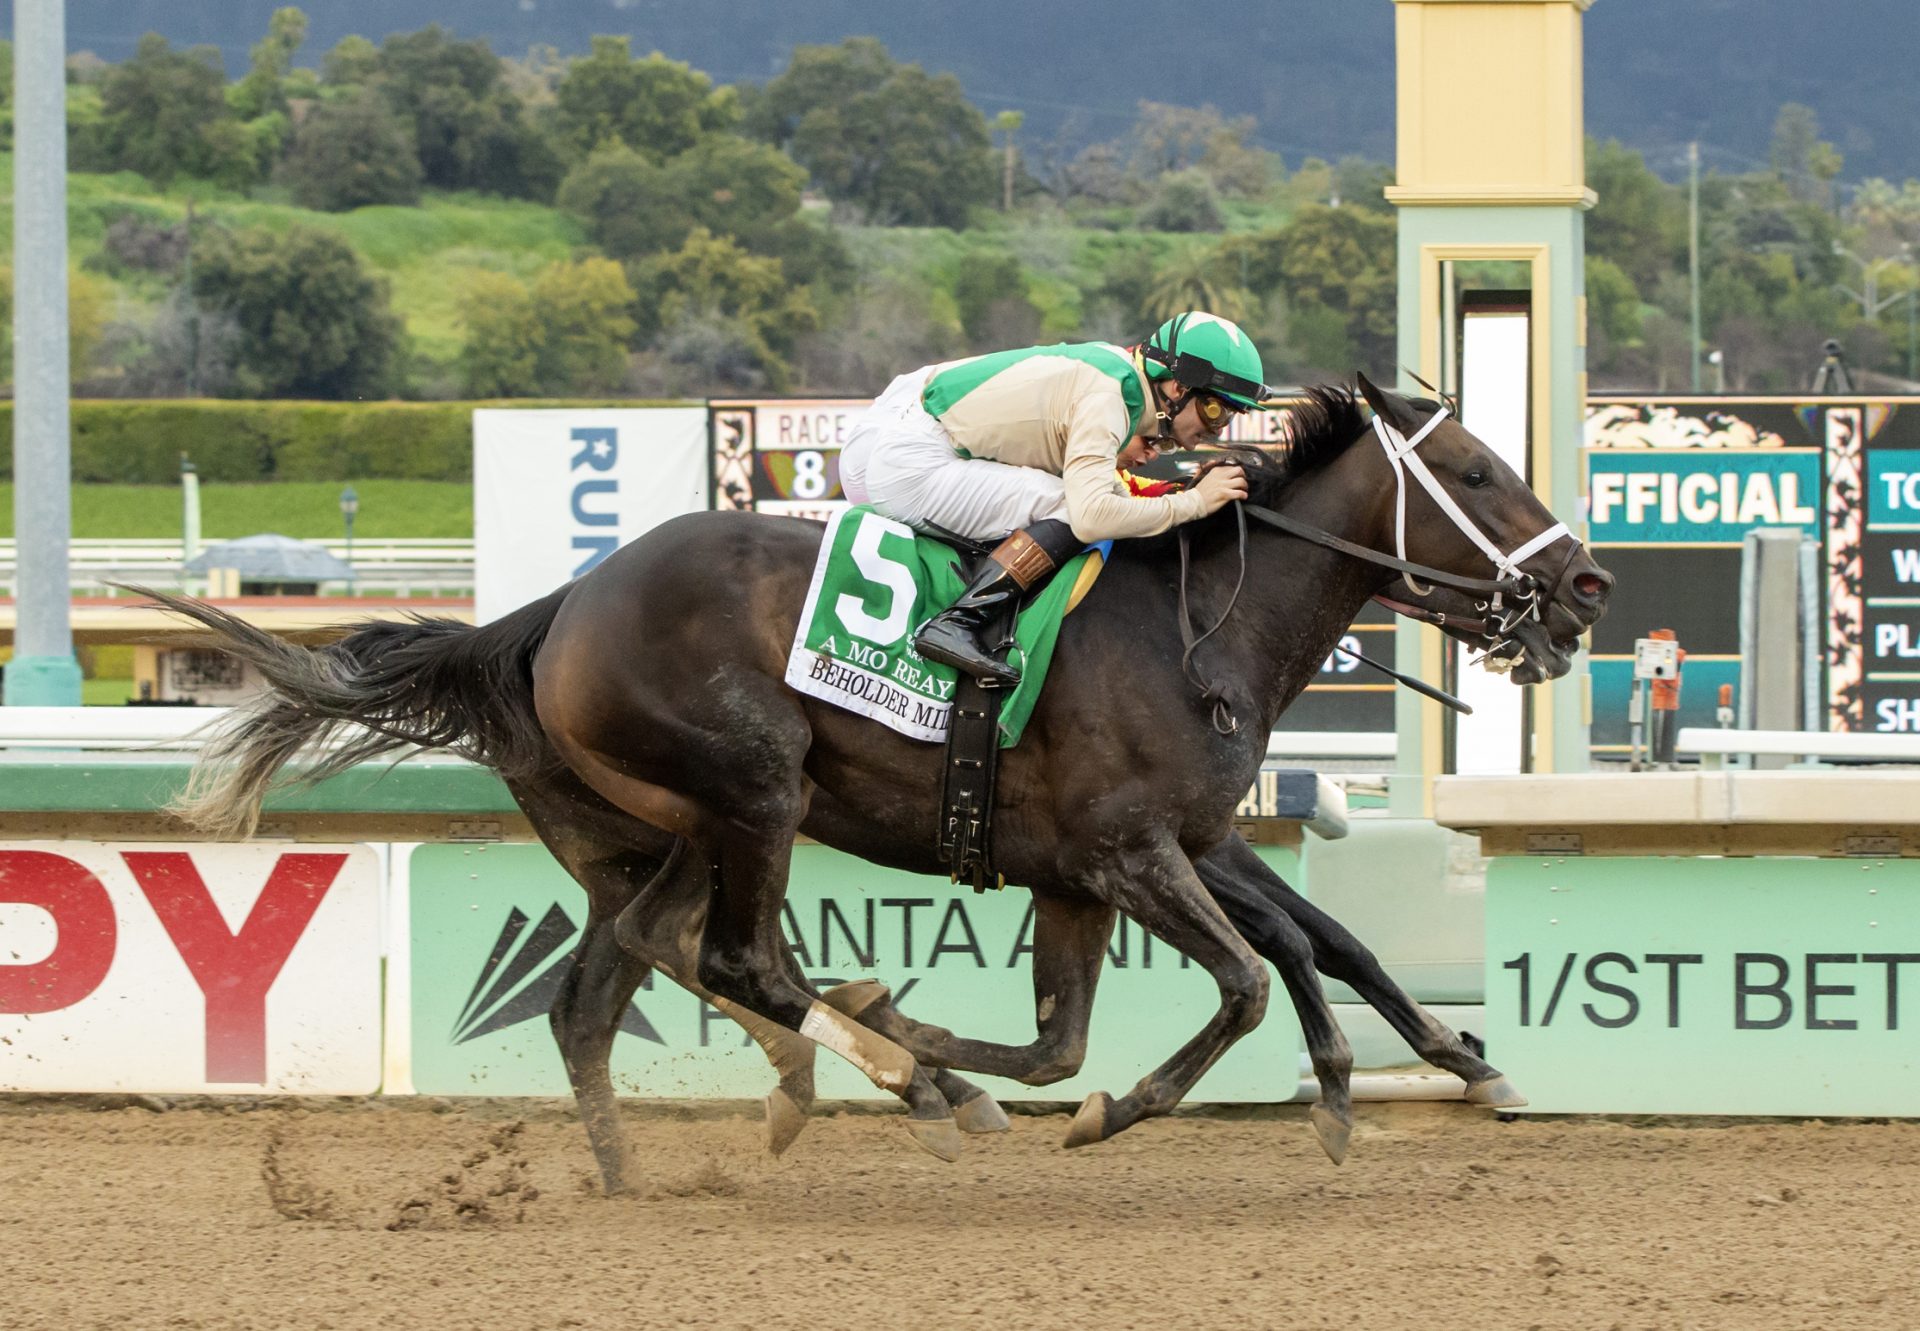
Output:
(1385, 405)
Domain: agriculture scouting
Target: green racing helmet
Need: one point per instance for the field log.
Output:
(1204, 351)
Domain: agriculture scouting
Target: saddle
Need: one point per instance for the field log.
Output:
(964, 841)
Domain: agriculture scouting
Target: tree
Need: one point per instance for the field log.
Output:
(1613, 305)
(162, 113)
(353, 61)
(1799, 157)
(990, 290)
(1639, 223)
(895, 144)
(312, 322)
(1334, 270)
(633, 205)
(655, 106)
(260, 91)
(1363, 184)
(88, 302)
(1169, 138)
(1196, 279)
(712, 283)
(586, 325)
(505, 337)
(467, 125)
(352, 153)
(1183, 201)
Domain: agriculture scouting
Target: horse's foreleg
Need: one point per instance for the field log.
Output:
(1157, 887)
(1274, 936)
(1255, 888)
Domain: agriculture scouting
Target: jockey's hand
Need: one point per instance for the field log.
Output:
(1220, 486)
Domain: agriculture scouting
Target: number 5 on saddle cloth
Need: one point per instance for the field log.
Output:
(874, 584)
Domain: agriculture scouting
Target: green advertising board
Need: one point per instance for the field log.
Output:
(492, 927)
(1657, 985)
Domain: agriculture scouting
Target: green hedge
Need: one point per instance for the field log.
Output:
(140, 442)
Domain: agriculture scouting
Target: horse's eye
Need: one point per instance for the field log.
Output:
(1476, 479)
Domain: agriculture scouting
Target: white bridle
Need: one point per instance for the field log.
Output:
(1401, 456)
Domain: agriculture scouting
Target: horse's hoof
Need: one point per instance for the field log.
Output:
(938, 1136)
(784, 1121)
(1496, 1092)
(1332, 1132)
(855, 996)
(980, 1114)
(1090, 1124)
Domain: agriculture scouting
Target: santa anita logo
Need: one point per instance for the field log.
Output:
(912, 939)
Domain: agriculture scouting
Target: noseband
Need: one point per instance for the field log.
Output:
(1505, 601)
(1517, 596)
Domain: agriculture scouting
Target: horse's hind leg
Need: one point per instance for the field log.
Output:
(871, 1004)
(586, 1017)
(745, 965)
(1340, 956)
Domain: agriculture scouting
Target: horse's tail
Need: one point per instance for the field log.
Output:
(429, 682)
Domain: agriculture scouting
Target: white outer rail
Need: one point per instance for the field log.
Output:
(104, 727)
(1712, 743)
(173, 727)
(1332, 744)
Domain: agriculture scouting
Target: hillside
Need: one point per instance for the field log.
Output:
(1658, 74)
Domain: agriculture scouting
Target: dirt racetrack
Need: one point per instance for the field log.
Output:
(412, 1214)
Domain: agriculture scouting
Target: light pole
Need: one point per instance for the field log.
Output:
(349, 505)
(44, 671)
(1871, 301)
(1693, 261)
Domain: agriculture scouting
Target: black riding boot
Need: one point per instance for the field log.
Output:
(968, 633)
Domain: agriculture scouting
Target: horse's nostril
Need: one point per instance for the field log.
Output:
(1590, 585)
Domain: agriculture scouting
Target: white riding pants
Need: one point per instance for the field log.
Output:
(902, 461)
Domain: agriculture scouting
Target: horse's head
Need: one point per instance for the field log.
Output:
(1457, 507)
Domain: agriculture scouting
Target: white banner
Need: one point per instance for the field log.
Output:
(555, 491)
(181, 968)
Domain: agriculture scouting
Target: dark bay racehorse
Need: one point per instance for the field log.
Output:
(640, 717)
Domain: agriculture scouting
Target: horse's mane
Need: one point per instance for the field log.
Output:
(1320, 427)
(1325, 423)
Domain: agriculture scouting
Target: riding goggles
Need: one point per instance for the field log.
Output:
(1195, 372)
(1214, 411)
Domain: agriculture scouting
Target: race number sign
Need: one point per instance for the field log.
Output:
(189, 968)
(557, 491)
(782, 456)
(495, 927)
(1708, 986)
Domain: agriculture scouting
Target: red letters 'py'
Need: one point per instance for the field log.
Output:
(86, 931)
(234, 971)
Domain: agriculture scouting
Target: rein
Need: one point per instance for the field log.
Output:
(1509, 600)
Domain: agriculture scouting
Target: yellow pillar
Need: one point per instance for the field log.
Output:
(1491, 166)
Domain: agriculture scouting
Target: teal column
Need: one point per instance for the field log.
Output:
(1562, 231)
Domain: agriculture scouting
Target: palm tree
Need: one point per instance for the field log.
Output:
(1192, 280)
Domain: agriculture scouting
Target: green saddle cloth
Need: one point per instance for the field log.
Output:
(875, 583)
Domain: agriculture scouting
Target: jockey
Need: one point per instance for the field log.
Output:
(1029, 442)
